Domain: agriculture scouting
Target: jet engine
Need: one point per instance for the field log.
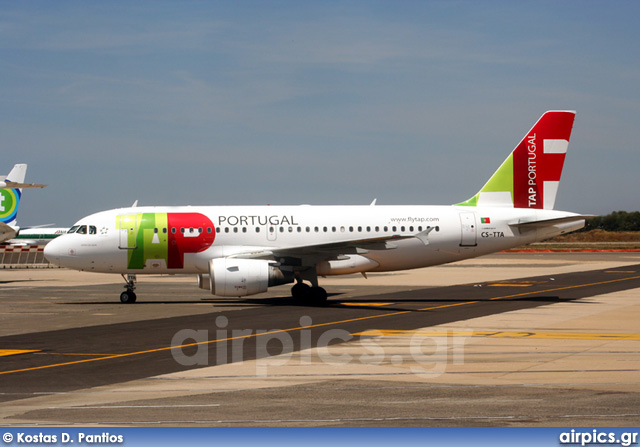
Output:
(242, 277)
(350, 264)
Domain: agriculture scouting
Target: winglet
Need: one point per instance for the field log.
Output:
(423, 236)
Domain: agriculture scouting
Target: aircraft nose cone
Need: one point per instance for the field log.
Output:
(55, 251)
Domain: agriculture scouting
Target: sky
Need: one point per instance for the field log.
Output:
(323, 103)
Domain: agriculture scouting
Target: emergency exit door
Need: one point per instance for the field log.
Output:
(468, 230)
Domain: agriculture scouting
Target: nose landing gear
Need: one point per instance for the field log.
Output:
(128, 296)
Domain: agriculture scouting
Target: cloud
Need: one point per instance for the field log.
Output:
(325, 103)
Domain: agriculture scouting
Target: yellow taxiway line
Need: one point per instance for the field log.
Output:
(293, 329)
(499, 334)
(356, 304)
(8, 352)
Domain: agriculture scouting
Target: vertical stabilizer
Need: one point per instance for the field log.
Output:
(10, 197)
(9, 202)
(17, 174)
(530, 176)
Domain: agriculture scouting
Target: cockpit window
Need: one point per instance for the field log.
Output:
(83, 229)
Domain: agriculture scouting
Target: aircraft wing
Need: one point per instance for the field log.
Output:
(7, 232)
(312, 254)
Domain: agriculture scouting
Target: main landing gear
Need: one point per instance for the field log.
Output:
(128, 296)
(313, 295)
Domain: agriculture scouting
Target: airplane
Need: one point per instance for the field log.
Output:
(36, 235)
(11, 186)
(10, 192)
(237, 251)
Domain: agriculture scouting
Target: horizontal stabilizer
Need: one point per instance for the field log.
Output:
(15, 179)
(14, 185)
(548, 222)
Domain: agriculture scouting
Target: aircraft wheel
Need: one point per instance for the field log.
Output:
(318, 296)
(300, 290)
(127, 297)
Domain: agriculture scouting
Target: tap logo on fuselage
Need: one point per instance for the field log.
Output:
(164, 237)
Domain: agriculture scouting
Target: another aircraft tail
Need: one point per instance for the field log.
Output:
(530, 176)
(10, 197)
(17, 174)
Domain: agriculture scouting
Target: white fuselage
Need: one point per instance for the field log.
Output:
(184, 239)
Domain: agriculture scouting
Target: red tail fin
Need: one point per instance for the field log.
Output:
(538, 161)
(530, 175)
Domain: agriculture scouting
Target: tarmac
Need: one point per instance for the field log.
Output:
(568, 363)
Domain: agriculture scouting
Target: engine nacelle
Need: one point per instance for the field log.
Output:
(352, 264)
(241, 277)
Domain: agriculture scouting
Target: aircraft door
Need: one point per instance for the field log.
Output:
(468, 228)
(127, 229)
